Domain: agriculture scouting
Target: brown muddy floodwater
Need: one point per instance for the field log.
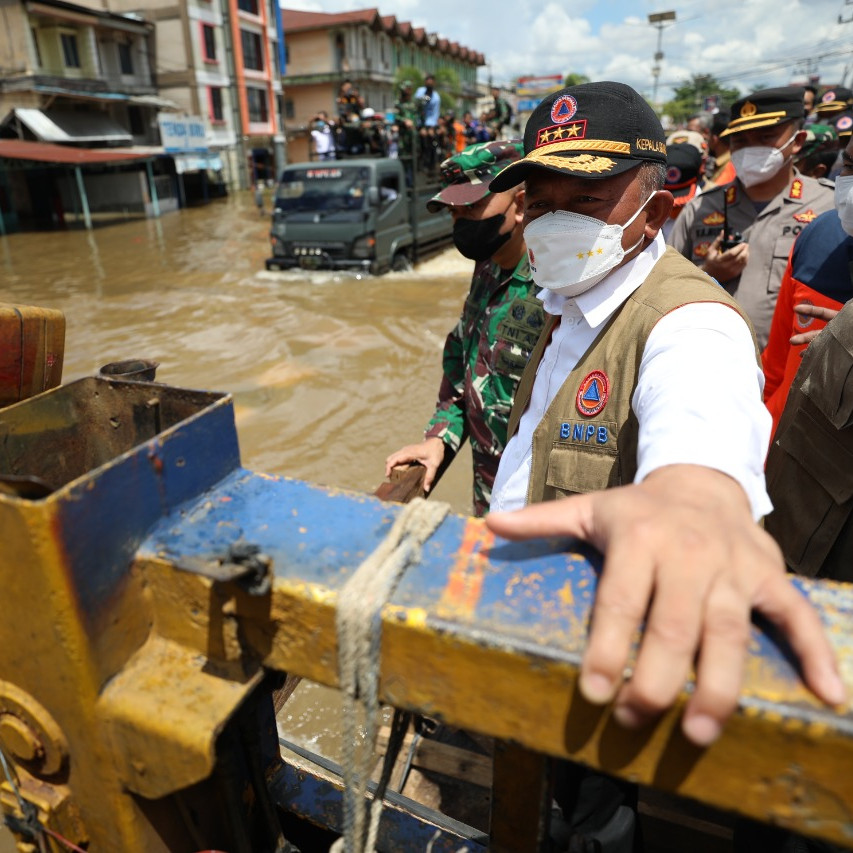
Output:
(329, 372)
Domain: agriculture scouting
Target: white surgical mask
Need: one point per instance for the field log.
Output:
(758, 163)
(844, 202)
(570, 253)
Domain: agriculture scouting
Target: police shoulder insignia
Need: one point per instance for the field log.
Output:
(715, 218)
(701, 249)
(593, 393)
(806, 216)
(731, 194)
(796, 189)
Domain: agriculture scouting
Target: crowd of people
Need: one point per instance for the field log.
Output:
(420, 128)
(631, 346)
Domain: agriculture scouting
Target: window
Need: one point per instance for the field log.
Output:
(208, 35)
(253, 56)
(69, 50)
(250, 6)
(289, 108)
(137, 125)
(35, 35)
(216, 112)
(125, 58)
(257, 99)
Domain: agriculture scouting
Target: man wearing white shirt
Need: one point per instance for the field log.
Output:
(646, 379)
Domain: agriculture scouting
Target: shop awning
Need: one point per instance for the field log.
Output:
(43, 152)
(63, 126)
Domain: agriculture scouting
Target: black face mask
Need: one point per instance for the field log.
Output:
(479, 239)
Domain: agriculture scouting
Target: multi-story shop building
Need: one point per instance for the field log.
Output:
(366, 48)
(77, 78)
(220, 60)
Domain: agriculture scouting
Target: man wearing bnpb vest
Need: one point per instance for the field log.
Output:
(638, 425)
(764, 208)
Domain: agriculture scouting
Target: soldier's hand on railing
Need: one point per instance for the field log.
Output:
(429, 453)
(682, 554)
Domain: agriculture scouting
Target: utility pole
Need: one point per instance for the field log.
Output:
(659, 20)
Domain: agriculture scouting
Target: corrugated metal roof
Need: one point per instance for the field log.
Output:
(44, 152)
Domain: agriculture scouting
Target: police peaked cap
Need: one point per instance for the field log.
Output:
(766, 108)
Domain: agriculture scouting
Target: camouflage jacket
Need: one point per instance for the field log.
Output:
(484, 357)
(406, 111)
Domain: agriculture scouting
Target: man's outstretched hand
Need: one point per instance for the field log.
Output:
(682, 552)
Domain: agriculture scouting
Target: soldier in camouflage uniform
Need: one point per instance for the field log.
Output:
(406, 119)
(486, 352)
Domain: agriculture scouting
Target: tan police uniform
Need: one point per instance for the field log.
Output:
(770, 234)
(769, 228)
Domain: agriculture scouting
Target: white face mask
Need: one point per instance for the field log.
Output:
(844, 202)
(758, 163)
(570, 253)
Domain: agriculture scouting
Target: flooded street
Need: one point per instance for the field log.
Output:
(329, 372)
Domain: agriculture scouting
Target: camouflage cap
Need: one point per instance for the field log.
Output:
(818, 136)
(466, 176)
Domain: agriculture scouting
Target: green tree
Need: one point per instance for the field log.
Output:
(573, 79)
(690, 95)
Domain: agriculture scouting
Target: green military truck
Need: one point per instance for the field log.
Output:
(356, 214)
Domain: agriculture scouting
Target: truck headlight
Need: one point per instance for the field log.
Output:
(365, 246)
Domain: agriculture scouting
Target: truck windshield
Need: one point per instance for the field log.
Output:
(323, 188)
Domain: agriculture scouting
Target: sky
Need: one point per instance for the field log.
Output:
(746, 44)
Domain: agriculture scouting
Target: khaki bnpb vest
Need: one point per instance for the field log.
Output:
(587, 439)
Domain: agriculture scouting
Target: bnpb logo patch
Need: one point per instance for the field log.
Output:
(593, 393)
(844, 124)
(563, 109)
(673, 175)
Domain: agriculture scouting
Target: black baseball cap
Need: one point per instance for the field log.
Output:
(834, 100)
(843, 125)
(683, 166)
(594, 130)
(766, 108)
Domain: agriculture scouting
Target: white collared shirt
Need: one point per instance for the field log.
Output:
(698, 395)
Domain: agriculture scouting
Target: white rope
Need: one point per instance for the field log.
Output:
(359, 629)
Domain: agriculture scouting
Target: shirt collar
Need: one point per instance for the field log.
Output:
(599, 302)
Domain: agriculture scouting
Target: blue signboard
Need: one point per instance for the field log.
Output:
(527, 105)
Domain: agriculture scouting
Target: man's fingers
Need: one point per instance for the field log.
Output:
(667, 648)
(624, 589)
(540, 520)
(783, 604)
(819, 311)
(719, 673)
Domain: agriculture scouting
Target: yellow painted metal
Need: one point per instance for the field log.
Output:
(797, 750)
(156, 706)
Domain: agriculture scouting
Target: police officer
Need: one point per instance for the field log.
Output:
(488, 348)
(765, 207)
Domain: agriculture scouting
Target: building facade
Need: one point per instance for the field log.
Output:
(77, 75)
(220, 61)
(367, 48)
